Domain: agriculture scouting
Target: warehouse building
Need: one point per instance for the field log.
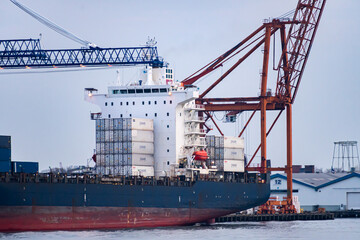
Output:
(332, 191)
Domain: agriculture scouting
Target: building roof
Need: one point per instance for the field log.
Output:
(317, 180)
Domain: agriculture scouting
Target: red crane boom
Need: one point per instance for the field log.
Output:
(296, 46)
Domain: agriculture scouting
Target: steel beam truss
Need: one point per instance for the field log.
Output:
(298, 45)
(23, 53)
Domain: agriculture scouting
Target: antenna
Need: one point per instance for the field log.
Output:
(151, 42)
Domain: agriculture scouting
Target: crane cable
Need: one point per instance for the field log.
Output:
(52, 25)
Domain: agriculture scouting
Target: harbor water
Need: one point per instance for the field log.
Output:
(330, 229)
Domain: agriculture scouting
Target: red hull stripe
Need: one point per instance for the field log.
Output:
(39, 218)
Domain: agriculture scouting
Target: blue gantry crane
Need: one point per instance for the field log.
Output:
(27, 53)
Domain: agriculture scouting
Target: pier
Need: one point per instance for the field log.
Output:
(275, 217)
(307, 216)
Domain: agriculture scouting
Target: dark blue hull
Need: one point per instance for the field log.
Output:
(65, 206)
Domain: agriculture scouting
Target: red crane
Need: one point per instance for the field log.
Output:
(295, 45)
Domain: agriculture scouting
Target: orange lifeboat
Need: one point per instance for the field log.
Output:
(200, 155)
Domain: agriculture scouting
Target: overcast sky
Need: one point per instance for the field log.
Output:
(49, 121)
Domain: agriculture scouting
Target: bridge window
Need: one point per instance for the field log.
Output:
(131, 91)
(163, 90)
(155, 90)
(139, 90)
(147, 90)
(123, 91)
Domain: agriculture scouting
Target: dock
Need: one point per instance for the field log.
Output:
(275, 217)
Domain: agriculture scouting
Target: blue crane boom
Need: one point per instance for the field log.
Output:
(27, 53)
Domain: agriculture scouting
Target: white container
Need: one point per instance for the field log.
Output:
(142, 136)
(142, 148)
(234, 166)
(234, 153)
(233, 142)
(144, 171)
(142, 124)
(141, 160)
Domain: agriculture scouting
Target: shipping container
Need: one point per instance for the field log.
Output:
(141, 160)
(5, 166)
(210, 140)
(144, 171)
(233, 153)
(118, 136)
(221, 153)
(118, 123)
(111, 148)
(126, 147)
(233, 166)
(97, 136)
(142, 124)
(211, 152)
(142, 148)
(217, 141)
(142, 136)
(217, 154)
(5, 141)
(233, 142)
(98, 148)
(99, 125)
(126, 123)
(25, 167)
(5, 154)
(118, 147)
(126, 135)
(102, 124)
(107, 124)
(107, 135)
(126, 158)
(111, 136)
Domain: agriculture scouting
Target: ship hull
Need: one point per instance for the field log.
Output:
(57, 206)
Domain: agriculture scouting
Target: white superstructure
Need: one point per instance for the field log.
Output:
(171, 107)
(176, 130)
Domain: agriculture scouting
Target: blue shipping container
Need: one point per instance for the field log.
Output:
(5, 166)
(25, 167)
(5, 141)
(5, 154)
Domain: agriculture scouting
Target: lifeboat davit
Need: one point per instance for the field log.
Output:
(200, 155)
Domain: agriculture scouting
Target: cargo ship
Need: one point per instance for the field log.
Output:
(155, 166)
